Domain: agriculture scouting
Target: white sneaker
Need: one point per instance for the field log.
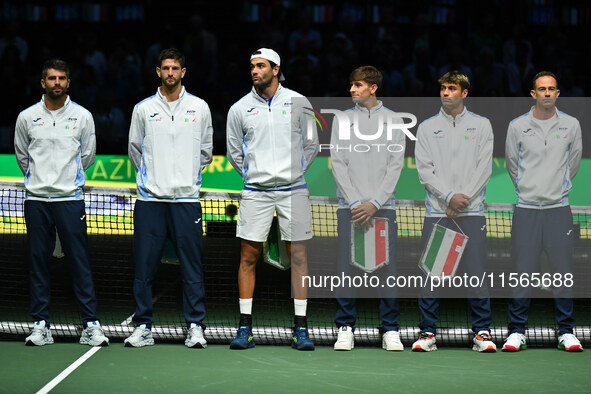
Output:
(94, 335)
(425, 343)
(40, 335)
(195, 337)
(140, 337)
(345, 339)
(514, 343)
(569, 343)
(391, 341)
(483, 342)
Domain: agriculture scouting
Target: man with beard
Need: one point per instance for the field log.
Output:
(170, 142)
(54, 144)
(267, 146)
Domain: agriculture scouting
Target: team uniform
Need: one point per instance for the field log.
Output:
(455, 156)
(542, 157)
(367, 177)
(53, 149)
(270, 149)
(169, 145)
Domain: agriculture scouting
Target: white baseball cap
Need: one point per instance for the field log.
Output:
(270, 55)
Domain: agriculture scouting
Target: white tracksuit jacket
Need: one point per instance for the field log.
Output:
(367, 170)
(268, 146)
(53, 149)
(169, 149)
(542, 166)
(454, 156)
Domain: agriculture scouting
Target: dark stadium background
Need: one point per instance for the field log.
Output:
(113, 46)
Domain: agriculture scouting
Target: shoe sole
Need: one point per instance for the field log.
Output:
(513, 349)
(574, 349)
(344, 348)
(91, 343)
(304, 348)
(31, 343)
(488, 349)
(308, 346)
(421, 349)
(393, 349)
(141, 344)
(240, 347)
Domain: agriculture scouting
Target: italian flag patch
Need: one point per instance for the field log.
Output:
(443, 252)
(369, 249)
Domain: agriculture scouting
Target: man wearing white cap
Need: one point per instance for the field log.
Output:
(267, 146)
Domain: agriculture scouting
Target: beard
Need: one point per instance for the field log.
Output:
(54, 96)
(171, 84)
(263, 84)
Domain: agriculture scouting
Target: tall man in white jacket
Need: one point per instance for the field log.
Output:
(170, 142)
(454, 160)
(543, 153)
(366, 181)
(267, 144)
(54, 144)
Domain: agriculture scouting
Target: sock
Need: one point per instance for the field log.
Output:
(299, 307)
(300, 319)
(245, 320)
(245, 312)
(245, 306)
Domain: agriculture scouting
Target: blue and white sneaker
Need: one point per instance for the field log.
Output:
(244, 339)
(301, 339)
(195, 337)
(94, 335)
(140, 337)
(40, 335)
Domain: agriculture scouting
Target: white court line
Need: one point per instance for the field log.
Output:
(55, 381)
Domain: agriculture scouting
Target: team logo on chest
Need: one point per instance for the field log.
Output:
(37, 123)
(155, 117)
(252, 112)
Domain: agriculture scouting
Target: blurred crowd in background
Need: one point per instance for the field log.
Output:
(113, 51)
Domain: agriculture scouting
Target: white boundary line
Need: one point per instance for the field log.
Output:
(55, 381)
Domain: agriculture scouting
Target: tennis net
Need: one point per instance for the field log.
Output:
(110, 229)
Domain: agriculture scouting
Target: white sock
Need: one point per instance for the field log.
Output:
(245, 306)
(299, 307)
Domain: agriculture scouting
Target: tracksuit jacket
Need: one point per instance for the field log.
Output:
(268, 141)
(169, 148)
(454, 156)
(543, 165)
(53, 149)
(367, 170)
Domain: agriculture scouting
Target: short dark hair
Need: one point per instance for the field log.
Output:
(171, 53)
(56, 64)
(368, 74)
(543, 74)
(455, 77)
